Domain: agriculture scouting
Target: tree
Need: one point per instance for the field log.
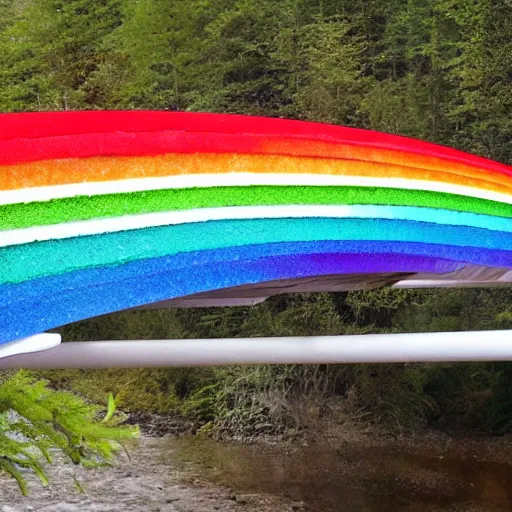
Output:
(159, 48)
(50, 50)
(324, 81)
(482, 73)
(34, 420)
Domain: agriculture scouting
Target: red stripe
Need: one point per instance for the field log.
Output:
(50, 135)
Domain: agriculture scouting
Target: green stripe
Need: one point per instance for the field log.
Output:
(113, 205)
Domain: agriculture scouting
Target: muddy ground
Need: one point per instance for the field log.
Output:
(150, 481)
(334, 472)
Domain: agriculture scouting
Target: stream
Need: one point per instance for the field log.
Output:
(197, 474)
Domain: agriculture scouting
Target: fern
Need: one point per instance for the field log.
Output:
(35, 419)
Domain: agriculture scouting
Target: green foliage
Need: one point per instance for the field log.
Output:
(394, 396)
(36, 420)
(144, 389)
(50, 50)
(203, 405)
(455, 310)
(379, 307)
(504, 320)
(262, 399)
(294, 315)
(473, 396)
(111, 408)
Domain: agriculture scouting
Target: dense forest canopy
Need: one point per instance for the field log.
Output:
(439, 70)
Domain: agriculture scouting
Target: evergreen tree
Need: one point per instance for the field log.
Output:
(34, 420)
(159, 48)
(482, 73)
(324, 81)
(51, 50)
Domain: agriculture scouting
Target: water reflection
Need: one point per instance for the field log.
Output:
(368, 480)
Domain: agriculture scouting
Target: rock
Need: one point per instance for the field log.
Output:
(244, 499)
(241, 500)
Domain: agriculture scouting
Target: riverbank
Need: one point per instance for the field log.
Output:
(151, 479)
(343, 436)
(337, 472)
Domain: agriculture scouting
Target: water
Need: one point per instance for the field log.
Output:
(356, 479)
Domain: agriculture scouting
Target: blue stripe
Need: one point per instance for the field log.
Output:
(36, 306)
(30, 261)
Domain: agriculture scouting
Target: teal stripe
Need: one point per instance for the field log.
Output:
(29, 261)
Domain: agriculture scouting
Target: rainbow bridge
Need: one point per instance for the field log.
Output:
(108, 211)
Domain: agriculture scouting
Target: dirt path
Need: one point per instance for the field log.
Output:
(150, 482)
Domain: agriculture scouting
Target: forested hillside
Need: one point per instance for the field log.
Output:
(438, 70)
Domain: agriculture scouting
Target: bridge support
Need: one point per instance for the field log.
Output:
(372, 348)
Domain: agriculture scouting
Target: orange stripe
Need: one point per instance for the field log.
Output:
(323, 149)
(329, 150)
(98, 169)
